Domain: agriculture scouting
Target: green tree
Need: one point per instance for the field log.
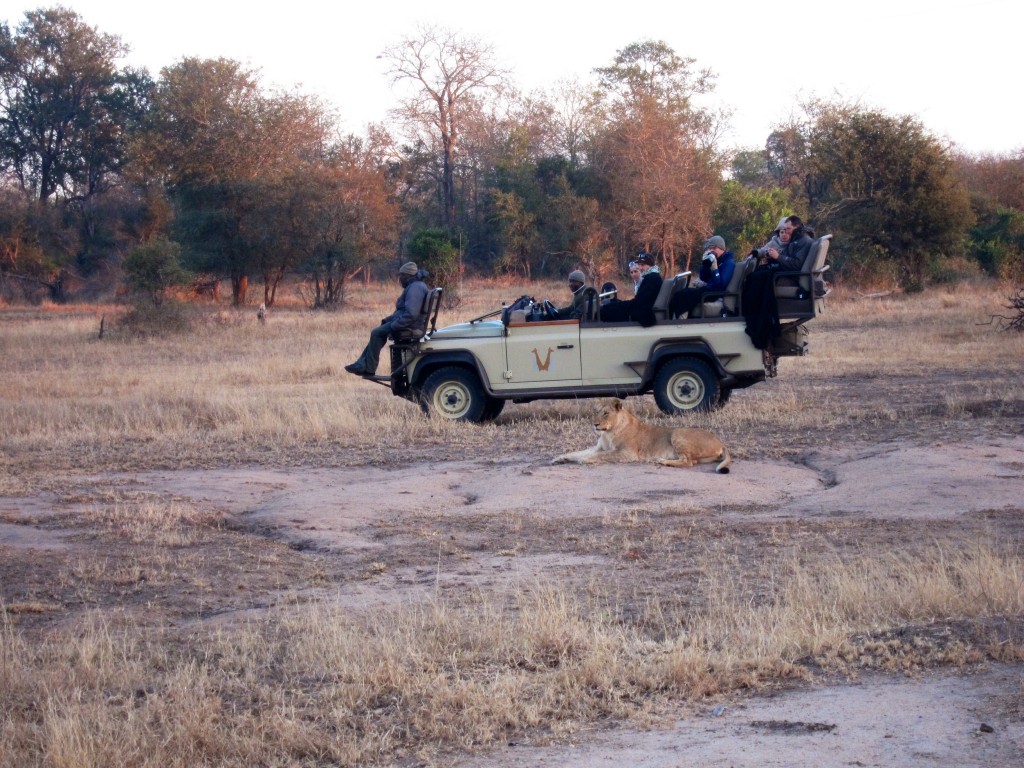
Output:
(997, 239)
(996, 184)
(433, 250)
(887, 186)
(155, 267)
(223, 145)
(746, 217)
(66, 111)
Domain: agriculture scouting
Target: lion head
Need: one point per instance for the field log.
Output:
(611, 414)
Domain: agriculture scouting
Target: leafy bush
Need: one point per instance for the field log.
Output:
(153, 268)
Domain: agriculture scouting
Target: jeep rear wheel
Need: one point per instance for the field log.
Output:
(492, 409)
(685, 384)
(454, 393)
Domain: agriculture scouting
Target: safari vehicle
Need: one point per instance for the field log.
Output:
(468, 371)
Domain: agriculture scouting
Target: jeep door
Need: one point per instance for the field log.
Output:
(543, 352)
(614, 354)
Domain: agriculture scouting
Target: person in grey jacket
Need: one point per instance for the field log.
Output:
(409, 314)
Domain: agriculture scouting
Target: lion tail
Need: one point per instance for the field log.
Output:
(723, 466)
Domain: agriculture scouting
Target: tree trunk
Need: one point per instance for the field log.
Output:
(239, 289)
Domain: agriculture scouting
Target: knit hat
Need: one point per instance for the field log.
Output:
(576, 276)
(409, 268)
(715, 242)
(782, 223)
(645, 258)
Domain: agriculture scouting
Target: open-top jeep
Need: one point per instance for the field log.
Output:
(468, 371)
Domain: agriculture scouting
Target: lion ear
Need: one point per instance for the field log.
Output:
(617, 404)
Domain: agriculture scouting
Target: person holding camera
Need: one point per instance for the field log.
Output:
(759, 304)
(716, 270)
(788, 247)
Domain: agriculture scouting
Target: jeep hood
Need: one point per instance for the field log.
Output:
(483, 329)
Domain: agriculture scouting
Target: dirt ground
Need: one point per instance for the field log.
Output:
(367, 536)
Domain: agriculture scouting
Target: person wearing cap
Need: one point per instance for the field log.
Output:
(577, 281)
(716, 269)
(641, 308)
(408, 314)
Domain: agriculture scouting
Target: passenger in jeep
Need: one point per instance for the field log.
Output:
(577, 280)
(641, 308)
(716, 269)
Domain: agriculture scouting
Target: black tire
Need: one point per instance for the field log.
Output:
(685, 385)
(723, 398)
(454, 393)
(493, 409)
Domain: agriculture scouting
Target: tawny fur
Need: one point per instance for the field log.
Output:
(623, 437)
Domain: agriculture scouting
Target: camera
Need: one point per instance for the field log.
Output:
(708, 256)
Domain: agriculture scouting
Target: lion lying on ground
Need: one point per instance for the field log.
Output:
(623, 437)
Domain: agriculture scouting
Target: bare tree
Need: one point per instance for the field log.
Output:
(447, 70)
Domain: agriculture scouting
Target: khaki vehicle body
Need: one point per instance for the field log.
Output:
(468, 371)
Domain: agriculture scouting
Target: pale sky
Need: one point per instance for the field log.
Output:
(955, 64)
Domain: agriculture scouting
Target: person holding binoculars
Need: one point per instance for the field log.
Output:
(716, 268)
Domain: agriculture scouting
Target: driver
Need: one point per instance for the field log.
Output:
(575, 310)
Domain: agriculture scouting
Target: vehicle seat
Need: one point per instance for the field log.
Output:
(668, 289)
(591, 305)
(797, 291)
(727, 303)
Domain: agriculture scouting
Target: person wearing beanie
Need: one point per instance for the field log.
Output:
(717, 241)
(577, 281)
(716, 269)
(409, 314)
(641, 308)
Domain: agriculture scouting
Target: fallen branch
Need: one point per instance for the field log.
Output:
(1004, 323)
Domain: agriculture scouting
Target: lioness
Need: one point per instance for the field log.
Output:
(623, 437)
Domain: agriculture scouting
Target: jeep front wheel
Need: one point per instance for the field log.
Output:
(685, 384)
(454, 393)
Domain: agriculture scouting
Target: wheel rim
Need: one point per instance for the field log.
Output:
(452, 400)
(685, 390)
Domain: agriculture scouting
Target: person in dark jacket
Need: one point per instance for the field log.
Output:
(577, 281)
(797, 240)
(409, 314)
(641, 308)
(716, 270)
(760, 307)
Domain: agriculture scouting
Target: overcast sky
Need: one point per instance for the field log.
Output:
(955, 64)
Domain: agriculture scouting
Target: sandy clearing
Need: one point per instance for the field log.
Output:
(881, 721)
(330, 508)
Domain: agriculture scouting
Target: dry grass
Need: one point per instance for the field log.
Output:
(320, 685)
(233, 391)
(170, 634)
